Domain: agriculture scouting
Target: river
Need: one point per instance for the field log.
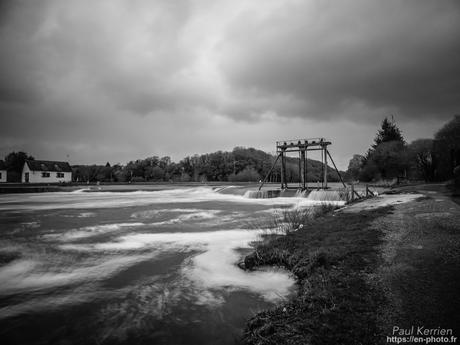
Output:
(143, 267)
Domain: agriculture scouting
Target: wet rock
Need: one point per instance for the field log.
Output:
(250, 261)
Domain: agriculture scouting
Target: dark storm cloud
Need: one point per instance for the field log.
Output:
(19, 77)
(401, 55)
(117, 77)
(130, 52)
(298, 58)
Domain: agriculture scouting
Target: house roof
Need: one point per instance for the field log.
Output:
(2, 165)
(36, 165)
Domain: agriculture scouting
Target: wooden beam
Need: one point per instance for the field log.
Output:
(302, 169)
(283, 170)
(271, 169)
(325, 167)
(337, 170)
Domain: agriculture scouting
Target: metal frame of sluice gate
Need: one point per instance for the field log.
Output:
(302, 147)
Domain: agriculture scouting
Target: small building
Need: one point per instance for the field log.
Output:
(35, 171)
(3, 172)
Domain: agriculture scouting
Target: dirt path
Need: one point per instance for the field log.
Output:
(420, 269)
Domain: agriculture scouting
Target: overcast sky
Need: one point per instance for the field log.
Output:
(97, 81)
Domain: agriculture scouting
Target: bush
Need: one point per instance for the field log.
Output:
(369, 172)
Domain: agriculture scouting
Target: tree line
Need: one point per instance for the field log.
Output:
(239, 165)
(391, 157)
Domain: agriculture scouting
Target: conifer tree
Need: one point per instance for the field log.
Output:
(388, 132)
(386, 157)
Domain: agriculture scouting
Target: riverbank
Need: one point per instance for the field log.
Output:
(362, 270)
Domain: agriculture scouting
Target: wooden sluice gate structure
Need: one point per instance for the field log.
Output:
(303, 147)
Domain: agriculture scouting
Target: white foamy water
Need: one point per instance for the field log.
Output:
(86, 214)
(214, 268)
(147, 214)
(31, 275)
(88, 200)
(89, 231)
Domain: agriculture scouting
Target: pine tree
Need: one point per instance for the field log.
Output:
(386, 157)
(388, 132)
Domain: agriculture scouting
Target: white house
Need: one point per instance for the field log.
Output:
(2, 172)
(46, 172)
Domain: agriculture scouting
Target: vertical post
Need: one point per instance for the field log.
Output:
(299, 170)
(325, 166)
(322, 169)
(302, 168)
(283, 169)
(352, 192)
(305, 168)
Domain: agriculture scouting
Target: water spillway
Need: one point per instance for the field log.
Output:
(320, 195)
(301, 193)
(262, 194)
(328, 195)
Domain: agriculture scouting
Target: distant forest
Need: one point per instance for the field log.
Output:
(239, 165)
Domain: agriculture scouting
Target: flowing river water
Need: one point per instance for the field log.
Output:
(143, 267)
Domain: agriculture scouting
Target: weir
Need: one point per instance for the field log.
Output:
(317, 190)
(322, 195)
(348, 194)
(302, 147)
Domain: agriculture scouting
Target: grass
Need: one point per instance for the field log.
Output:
(294, 219)
(288, 220)
(332, 256)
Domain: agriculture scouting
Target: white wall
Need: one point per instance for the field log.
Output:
(36, 176)
(3, 177)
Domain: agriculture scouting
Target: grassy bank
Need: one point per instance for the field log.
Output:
(365, 269)
(332, 257)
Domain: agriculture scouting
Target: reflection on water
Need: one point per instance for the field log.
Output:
(133, 267)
